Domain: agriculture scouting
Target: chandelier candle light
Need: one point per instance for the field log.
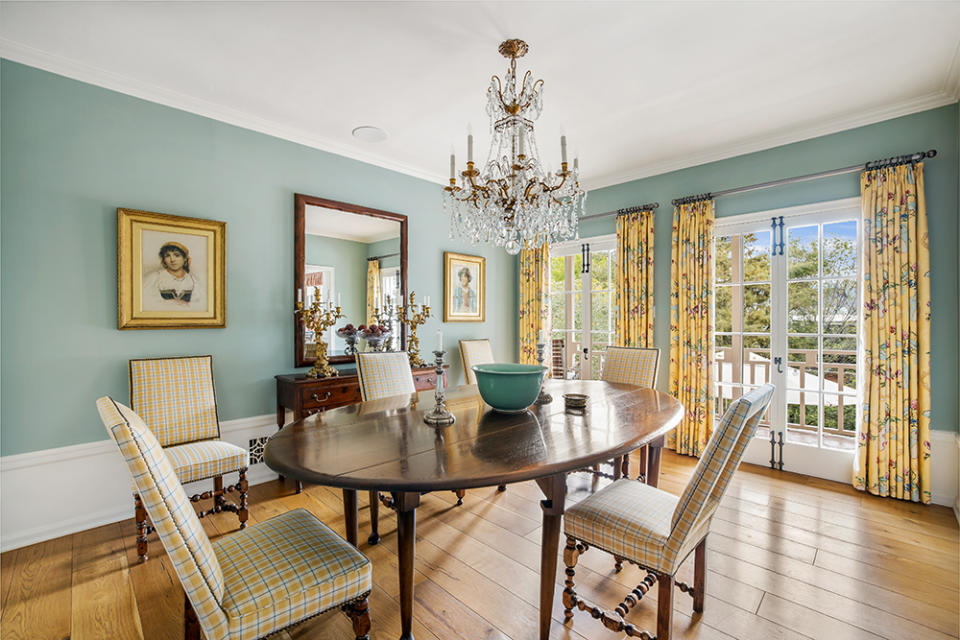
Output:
(512, 202)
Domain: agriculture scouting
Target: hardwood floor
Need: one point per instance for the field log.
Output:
(788, 557)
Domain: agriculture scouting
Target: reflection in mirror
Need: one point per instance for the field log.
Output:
(354, 260)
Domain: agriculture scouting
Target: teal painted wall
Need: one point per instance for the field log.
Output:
(934, 129)
(349, 260)
(72, 153)
(385, 248)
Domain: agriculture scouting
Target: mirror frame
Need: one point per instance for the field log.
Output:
(299, 252)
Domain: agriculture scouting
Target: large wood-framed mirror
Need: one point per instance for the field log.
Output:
(353, 254)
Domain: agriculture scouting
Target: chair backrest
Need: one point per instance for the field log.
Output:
(719, 461)
(474, 352)
(631, 365)
(172, 514)
(175, 397)
(384, 374)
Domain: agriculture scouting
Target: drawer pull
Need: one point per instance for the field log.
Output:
(316, 398)
(430, 380)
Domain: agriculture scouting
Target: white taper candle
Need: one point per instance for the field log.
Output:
(563, 148)
(470, 147)
(453, 167)
(439, 340)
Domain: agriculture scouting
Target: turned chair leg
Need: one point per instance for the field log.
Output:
(617, 467)
(460, 493)
(191, 625)
(140, 516)
(218, 499)
(359, 614)
(625, 468)
(700, 576)
(242, 512)
(664, 606)
(374, 536)
(617, 564)
(501, 487)
(570, 557)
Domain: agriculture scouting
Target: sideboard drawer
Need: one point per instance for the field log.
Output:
(424, 381)
(327, 395)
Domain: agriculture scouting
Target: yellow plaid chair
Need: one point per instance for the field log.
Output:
(637, 366)
(251, 583)
(177, 400)
(474, 352)
(656, 530)
(384, 374)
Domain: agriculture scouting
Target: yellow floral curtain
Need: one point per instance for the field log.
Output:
(691, 324)
(893, 448)
(373, 289)
(533, 300)
(634, 296)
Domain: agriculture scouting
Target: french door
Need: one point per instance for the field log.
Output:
(786, 311)
(582, 275)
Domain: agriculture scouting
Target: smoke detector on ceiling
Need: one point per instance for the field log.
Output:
(369, 133)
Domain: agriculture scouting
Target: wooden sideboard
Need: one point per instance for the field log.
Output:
(305, 396)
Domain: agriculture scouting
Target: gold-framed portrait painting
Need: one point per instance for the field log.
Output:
(464, 287)
(171, 271)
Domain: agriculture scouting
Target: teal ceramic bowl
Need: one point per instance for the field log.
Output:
(509, 388)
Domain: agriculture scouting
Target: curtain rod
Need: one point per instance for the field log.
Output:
(386, 255)
(622, 212)
(868, 166)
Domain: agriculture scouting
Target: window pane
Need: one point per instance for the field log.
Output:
(840, 249)
(802, 307)
(756, 256)
(756, 359)
(802, 252)
(723, 305)
(840, 306)
(600, 310)
(723, 341)
(558, 274)
(577, 310)
(557, 311)
(802, 364)
(756, 307)
(723, 264)
(600, 270)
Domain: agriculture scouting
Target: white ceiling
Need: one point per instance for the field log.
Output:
(638, 88)
(320, 221)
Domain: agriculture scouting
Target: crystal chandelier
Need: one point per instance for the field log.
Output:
(512, 202)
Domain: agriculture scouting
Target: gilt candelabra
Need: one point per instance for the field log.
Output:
(407, 314)
(319, 317)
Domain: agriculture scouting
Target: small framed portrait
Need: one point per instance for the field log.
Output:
(464, 287)
(171, 271)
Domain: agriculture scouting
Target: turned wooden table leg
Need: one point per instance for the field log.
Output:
(406, 507)
(374, 536)
(350, 515)
(555, 491)
(281, 416)
(653, 462)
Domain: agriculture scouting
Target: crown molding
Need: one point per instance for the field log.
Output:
(17, 52)
(90, 74)
(951, 85)
(762, 143)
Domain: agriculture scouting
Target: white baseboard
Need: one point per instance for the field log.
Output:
(51, 493)
(55, 492)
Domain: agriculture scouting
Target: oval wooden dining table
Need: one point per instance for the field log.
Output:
(386, 445)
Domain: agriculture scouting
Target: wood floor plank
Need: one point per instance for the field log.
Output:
(104, 604)
(38, 604)
(789, 558)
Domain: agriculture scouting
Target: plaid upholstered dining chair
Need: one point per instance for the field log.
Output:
(657, 530)
(247, 584)
(474, 352)
(385, 374)
(637, 366)
(177, 400)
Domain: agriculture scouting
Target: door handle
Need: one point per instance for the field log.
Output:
(779, 362)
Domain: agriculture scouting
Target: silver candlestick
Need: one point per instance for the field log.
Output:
(439, 416)
(543, 398)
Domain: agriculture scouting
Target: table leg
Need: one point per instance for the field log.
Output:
(281, 416)
(350, 515)
(555, 490)
(406, 507)
(653, 462)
